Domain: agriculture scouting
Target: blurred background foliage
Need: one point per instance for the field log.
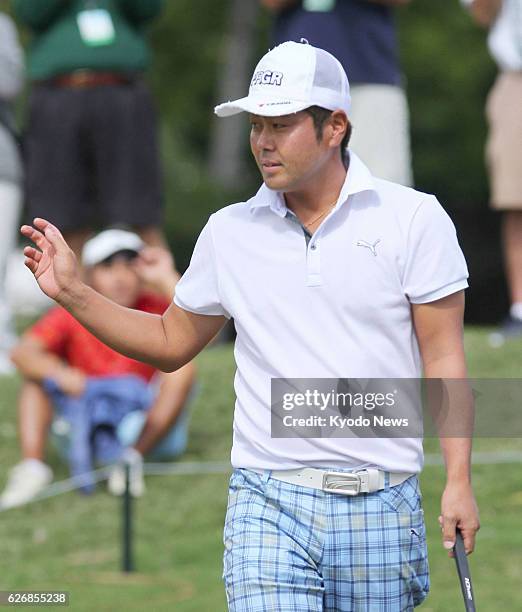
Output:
(448, 73)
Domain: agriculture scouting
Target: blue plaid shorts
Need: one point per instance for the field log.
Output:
(290, 548)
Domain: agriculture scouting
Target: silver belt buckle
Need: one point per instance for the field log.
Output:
(342, 483)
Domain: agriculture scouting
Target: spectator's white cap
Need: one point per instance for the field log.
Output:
(108, 243)
(291, 77)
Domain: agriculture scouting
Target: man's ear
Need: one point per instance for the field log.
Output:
(339, 125)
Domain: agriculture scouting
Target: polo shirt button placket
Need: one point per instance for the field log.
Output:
(313, 264)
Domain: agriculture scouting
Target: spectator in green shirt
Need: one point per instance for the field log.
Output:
(92, 155)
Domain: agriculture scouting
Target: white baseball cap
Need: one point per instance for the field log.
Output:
(109, 242)
(291, 77)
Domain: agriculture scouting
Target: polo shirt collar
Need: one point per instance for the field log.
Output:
(358, 179)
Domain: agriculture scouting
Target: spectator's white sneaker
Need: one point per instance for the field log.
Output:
(26, 480)
(116, 481)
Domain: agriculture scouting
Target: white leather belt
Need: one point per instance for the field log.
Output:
(345, 483)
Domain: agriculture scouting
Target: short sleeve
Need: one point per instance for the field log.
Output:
(435, 266)
(198, 289)
(53, 331)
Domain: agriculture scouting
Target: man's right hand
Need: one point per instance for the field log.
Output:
(53, 263)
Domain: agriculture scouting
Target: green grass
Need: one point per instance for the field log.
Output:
(72, 542)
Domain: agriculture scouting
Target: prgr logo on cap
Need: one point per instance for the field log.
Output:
(267, 77)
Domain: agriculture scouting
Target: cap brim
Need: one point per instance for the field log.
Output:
(264, 108)
(104, 255)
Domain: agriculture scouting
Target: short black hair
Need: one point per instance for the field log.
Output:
(319, 116)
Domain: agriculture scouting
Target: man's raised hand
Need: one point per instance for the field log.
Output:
(53, 263)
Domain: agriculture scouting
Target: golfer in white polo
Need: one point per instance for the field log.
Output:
(328, 272)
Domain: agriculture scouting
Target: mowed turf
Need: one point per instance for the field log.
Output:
(72, 542)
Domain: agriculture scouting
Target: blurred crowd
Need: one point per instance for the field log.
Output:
(87, 159)
(91, 166)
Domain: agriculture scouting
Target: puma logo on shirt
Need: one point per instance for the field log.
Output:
(368, 245)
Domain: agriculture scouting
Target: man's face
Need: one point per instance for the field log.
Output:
(116, 279)
(287, 151)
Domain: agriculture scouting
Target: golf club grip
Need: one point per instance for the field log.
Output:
(464, 574)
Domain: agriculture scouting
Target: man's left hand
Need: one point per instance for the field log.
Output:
(459, 509)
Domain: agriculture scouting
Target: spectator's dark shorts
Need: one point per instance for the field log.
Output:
(92, 156)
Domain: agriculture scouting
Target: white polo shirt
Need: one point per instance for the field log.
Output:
(337, 307)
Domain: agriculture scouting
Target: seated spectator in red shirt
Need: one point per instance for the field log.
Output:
(59, 358)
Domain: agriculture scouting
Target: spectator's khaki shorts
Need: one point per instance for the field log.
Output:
(504, 146)
(381, 131)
